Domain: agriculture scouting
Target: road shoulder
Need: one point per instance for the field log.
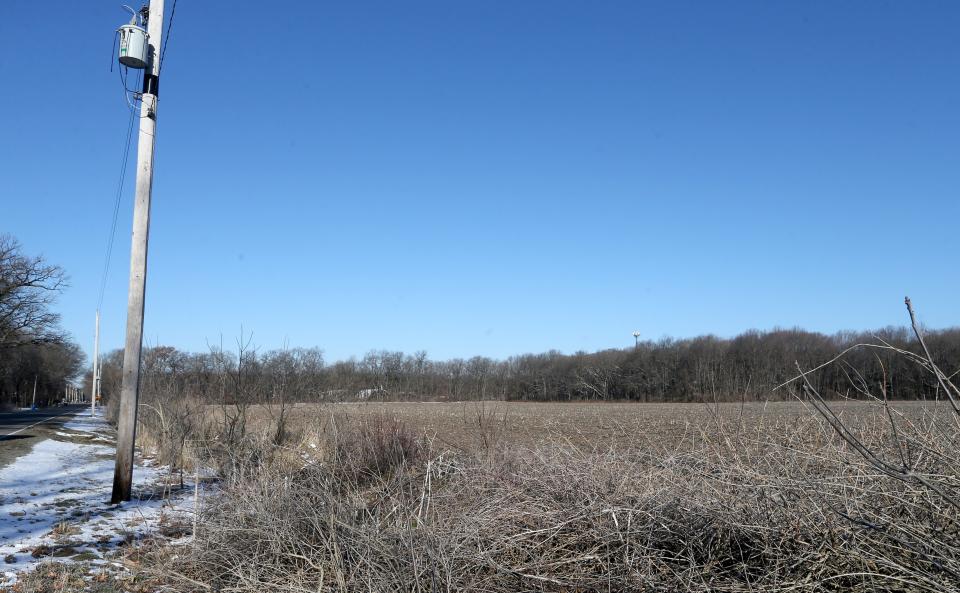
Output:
(54, 501)
(20, 431)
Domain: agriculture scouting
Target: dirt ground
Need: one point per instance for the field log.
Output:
(585, 425)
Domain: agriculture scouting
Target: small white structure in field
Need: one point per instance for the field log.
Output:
(371, 392)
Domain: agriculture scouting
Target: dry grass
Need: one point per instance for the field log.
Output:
(70, 577)
(577, 497)
(469, 426)
(811, 496)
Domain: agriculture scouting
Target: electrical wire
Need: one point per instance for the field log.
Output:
(116, 206)
(127, 93)
(113, 48)
(126, 152)
(124, 72)
(166, 38)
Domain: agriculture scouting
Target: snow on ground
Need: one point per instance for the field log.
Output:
(54, 501)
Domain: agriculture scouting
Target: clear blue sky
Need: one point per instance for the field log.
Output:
(493, 178)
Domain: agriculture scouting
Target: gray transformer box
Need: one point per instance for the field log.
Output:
(133, 47)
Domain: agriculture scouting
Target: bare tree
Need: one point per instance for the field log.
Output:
(28, 287)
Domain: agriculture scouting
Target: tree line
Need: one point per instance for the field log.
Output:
(34, 350)
(707, 368)
(36, 355)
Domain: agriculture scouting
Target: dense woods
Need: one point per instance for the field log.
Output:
(34, 350)
(707, 368)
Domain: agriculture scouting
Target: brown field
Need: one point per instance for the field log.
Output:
(563, 497)
(588, 426)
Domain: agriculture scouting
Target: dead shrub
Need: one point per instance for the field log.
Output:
(813, 503)
(377, 448)
(733, 513)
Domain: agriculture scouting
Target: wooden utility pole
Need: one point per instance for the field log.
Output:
(34, 404)
(96, 367)
(130, 385)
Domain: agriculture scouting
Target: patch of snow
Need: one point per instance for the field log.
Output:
(58, 496)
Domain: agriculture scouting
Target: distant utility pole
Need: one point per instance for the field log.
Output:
(34, 404)
(636, 340)
(130, 386)
(96, 367)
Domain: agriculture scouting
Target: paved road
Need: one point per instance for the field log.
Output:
(13, 423)
(19, 431)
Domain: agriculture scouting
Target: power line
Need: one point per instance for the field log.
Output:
(116, 205)
(126, 156)
(127, 93)
(166, 38)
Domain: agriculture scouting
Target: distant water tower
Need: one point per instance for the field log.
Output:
(636, 340)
